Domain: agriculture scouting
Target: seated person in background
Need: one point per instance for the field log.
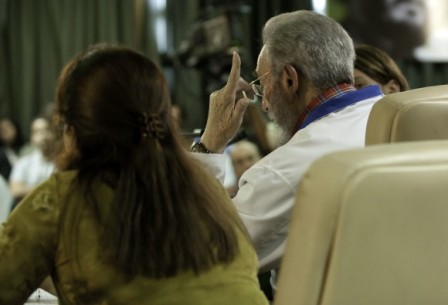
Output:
(305, 71)
(374, 67)
(36, 166)
(130, 217)
(243, 155)
(11, 142)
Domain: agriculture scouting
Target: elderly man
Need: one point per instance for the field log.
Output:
(305, 71)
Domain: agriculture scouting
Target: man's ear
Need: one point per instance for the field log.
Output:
(290, 78)
(391, 87)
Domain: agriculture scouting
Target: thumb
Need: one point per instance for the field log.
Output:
(241, 105)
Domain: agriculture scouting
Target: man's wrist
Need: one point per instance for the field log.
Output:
(213, 143)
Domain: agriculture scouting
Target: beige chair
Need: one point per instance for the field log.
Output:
(370, 227)
(419, 114)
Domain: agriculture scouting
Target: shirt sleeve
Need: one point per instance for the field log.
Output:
(267, 223)
(215, 163)
(28, 241)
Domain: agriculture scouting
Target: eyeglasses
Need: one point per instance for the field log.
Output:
(258, 88)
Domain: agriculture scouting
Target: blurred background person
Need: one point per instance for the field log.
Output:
(131, 217)
(374, 67)
(36, 166)
(11, 142)
(243, 155)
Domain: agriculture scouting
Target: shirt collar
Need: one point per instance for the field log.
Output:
(328, 94)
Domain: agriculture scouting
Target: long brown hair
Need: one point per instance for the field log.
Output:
(169, 214)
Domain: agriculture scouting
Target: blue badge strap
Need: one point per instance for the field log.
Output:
(340, 102)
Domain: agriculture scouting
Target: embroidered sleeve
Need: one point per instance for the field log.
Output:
(27, 244)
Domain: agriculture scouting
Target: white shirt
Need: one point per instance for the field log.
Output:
(267, 190)
(31, 169)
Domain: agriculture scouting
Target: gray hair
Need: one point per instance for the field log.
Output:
(315, 45)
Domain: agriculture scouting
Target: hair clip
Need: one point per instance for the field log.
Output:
(152, 126)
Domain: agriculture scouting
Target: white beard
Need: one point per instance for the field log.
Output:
(283, 115)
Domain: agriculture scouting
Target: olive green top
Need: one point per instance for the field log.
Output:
(31, 248)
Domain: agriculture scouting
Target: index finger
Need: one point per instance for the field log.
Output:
(234, 76)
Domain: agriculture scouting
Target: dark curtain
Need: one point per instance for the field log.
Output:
(424, 74)
(38, 37)
(185, 82)
(265, 9)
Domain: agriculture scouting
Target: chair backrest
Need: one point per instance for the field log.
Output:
(419, 114)
(370, 226)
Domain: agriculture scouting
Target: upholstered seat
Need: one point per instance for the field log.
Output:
(370, 227)
(419, 114)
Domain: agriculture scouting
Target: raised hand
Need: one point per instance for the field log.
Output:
(226, 110)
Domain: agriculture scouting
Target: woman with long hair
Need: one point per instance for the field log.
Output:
(130, 217)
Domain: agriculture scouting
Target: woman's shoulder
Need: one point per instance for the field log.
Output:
(63, 177)
(50, 190)
(59, 182)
